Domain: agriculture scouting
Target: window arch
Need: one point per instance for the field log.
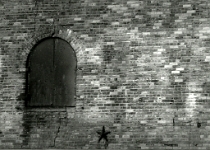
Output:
(51, 74)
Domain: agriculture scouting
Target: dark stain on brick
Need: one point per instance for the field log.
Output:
(1, 3)
(173, 122)
(19, 108)
(21, 97)
(206, 87)
(171, 145)
(198, 124)
(108, 51)
(27, 118)
(113, 87)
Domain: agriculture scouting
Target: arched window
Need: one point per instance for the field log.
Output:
(51, 74)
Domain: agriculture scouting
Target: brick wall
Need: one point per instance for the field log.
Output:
(142, 72)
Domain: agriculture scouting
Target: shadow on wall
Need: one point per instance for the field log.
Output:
(27, 119)
(22, 99)
(40, 128)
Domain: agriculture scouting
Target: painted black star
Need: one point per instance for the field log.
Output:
(103, 135)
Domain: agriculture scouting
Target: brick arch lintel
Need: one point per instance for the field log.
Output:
(63, 33)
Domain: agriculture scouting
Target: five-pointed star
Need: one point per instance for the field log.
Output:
(103, 134)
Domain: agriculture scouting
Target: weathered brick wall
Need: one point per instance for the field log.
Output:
(142, 72)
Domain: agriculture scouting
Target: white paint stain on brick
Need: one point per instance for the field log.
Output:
(157, 53)
(155, 13)
(168, 66)
(161, 50)
(9, 121)
(174, 46)
(134, 5)
(17, 24)
(205, 30)
(177, 32)
(180, 69)
(104, 88)
(178, 80)
(95, 83)
(187, 5)
(190, 104)
(115, 23)
(173, 63)
(49, 20)
(175, 72)
(146, 33)
(192, 97)
(207, 59)
(94, 55)
(191, 11)
(110, 43)
(129, 110)
(77, 19)
(166, 3)
(95, 21)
